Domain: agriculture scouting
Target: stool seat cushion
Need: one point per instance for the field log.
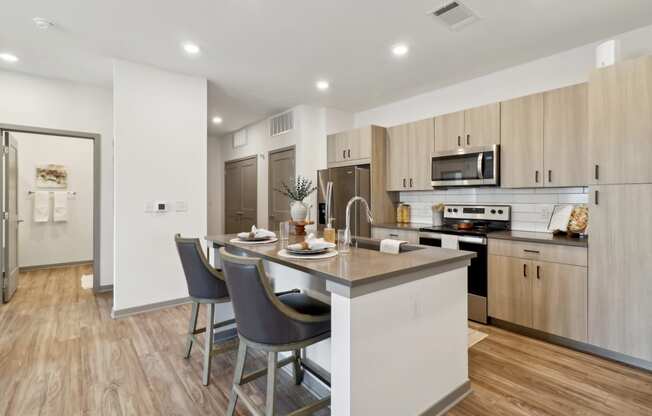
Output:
(304, 304)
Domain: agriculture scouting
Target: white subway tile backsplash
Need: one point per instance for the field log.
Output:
(531, 208)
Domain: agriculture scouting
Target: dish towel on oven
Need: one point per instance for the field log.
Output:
(60, 206)
(41, 206)
(450, 241)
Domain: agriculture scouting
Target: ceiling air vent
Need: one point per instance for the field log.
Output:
(281, 124)
(454, 15)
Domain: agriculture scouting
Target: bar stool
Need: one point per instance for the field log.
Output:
(272, 323)
(206, 286)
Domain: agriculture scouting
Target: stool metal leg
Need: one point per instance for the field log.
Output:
(193, 327)
(237, 378)
(208, 345)
(271, 383)
(297, 371)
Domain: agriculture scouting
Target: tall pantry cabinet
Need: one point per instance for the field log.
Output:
(620, 169)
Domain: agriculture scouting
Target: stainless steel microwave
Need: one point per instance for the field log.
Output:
(469, 166)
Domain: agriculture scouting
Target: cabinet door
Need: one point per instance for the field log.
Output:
(359, 144)
(482, 125)
(565, 136)
(397, 157)
(620, 126)
(620, 269)
(559, 300)
(331, 148)
(421, 143)
(521, 142)
(510, 289)
(449, 131)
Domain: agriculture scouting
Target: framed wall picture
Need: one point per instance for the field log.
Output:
(51, 176)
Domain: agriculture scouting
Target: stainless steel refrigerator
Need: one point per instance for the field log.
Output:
(348, 181)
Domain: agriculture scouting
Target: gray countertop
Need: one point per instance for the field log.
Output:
(415, 226)
(360, 267)
(535, 237)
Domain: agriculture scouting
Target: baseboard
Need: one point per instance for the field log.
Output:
(122, 313)
(54, 266)
(449, 401)
(104, 289)
(575, 345)
(310, 382)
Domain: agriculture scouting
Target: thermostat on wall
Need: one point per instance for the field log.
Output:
(160, 206)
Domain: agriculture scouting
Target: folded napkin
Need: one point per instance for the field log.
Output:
(257, 233)
(312, 243)
(390, 246)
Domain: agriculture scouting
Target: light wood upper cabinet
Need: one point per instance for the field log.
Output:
(521, 142)
(620, 267)
(559, 300)
(620, 125)
(565, 136)
(449, 131)
(510, 289)
(349, 146)
(482, 125)
(408, 158)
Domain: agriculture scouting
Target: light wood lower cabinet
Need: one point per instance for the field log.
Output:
(549, 297)
(379, 233)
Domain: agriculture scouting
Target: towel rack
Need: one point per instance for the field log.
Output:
(51, 192)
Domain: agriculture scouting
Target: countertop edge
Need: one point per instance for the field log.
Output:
(559, 241)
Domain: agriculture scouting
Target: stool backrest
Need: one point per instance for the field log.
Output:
(261, 317)
(204, 281)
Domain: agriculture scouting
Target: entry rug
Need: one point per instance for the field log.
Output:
(87, 281)
(476, 336)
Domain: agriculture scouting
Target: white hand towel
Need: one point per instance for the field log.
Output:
(60, 206)
(391, 246)
(41, 206)
(450, 241)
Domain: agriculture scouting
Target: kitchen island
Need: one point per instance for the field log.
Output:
(399, 324)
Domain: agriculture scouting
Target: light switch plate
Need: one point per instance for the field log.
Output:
(181, 206)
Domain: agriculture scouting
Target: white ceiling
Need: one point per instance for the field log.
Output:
(263, 56)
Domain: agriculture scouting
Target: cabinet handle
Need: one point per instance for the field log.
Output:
(410, 182)
(343, 154)
(531, 251)
(524, 270)
(349, 153)
(468, 139)
(549, 175)
(597, 197)
(538, 272)
(536, 176)
(459, 141)
(597, 172)
(404, 183)
(393, 235)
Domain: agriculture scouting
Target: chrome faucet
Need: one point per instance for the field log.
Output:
(347, 231)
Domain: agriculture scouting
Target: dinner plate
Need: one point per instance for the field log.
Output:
(255, 238)
(307, 252)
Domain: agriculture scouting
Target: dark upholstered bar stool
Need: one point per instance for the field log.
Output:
(271, 323)
(206, 286)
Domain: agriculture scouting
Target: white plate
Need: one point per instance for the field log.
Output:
(237, 240)
(329, 254)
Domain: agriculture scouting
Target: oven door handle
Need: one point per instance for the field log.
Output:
(480, 163)
(473, 240)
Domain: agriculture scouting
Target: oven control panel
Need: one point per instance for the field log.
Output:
(478, 212)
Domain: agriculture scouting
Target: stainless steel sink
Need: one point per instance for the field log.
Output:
(371, 244)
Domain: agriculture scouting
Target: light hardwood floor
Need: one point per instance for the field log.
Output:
(62, 354)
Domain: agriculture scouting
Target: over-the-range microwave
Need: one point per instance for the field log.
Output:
(470, 166)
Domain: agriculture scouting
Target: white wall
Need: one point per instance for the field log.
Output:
(566, 68)
(55, 242)
(311, 126)
(160, 123)
(40, 102)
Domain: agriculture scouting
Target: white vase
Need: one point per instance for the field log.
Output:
(298, 211)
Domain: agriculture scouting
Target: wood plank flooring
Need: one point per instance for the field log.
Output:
(62, 354)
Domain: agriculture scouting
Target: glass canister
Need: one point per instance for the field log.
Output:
(406, 214)
(399, 213)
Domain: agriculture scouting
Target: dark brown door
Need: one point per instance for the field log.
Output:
(281, 169)
(240, 194)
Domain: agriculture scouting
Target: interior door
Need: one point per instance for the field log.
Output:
(249, 192)
(10, 216)
(281, 169)
(233, 197)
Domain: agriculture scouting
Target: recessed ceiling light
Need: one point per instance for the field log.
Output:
(7, 57)
(322, 85)
(400, 49)
(217, 120)
(42, 23)
(191, 48)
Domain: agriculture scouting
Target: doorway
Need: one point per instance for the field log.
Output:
(281, 169)
(241, 194)
(41, 212)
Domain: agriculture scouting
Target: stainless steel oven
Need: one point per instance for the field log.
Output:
(470, 166)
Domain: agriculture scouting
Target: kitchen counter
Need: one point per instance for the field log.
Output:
(536, 237)
(408, 308)
(413, 226)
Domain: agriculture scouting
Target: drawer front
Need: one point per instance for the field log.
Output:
(410, 236)
(576, 256)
